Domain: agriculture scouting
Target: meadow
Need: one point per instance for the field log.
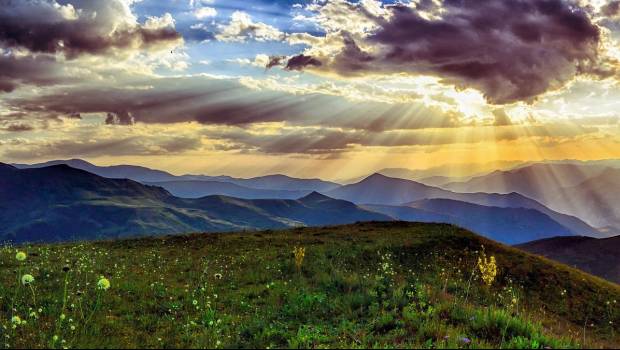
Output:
(379, 285)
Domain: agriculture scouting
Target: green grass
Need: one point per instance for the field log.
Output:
(364, 285)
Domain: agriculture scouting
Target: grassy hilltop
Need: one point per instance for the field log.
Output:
(363, 285)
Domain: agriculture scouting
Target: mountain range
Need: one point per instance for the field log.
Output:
(382, 190)
(590, 192)
(146, 175)
(61, 203)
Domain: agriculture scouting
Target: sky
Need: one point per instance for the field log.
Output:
(310, 88)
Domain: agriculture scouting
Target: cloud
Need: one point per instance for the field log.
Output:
(17, 127)
(509, 50)
(611, 9)
(209, 100)
(98, 145)
(119, 118)
(40, 70)
(300, 62)
(81, 27)
(241, 28)
(205, 12)
(501, 118)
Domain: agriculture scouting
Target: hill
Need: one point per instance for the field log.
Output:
(60, 203)
(596, 256)
(365, 285)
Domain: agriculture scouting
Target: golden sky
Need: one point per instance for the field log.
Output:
(331, 89)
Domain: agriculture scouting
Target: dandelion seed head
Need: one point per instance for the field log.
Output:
(103, 283)
(27, 279)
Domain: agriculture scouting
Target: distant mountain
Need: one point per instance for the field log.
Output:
(197, 189)
(439, 181)
(60, 203)
(283, 182)
(132, 172)
(538, 181)
(382, 190)
(145, 175)
(506, 225)
(596, 256)
(596, 199)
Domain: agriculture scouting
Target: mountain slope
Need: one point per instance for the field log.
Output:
(197, 189)
(596, 256)
(369, 285)
(60, 203)
(506, 225)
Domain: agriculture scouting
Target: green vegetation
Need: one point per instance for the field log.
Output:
(364, 285)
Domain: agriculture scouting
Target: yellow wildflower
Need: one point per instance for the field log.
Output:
(300, 253)
(487, 267)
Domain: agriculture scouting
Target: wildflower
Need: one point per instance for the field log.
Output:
(488, 268)
(27, 279)
(16, 320)
(20, 256)
(103, 283)
(300, 253)
(218, 276)
(195, 302)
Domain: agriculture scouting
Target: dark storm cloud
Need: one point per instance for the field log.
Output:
(509, 50)
(79, 27)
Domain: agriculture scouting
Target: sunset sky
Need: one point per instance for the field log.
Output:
(333, 89)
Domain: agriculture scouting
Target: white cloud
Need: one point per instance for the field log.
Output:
(205, 12)
(241, 28)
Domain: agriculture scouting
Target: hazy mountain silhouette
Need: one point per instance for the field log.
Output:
(506, 225)
(538, 181)
(142, 174)
(197, 189)
(595, 199)
(379, 189)
(596, 256)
